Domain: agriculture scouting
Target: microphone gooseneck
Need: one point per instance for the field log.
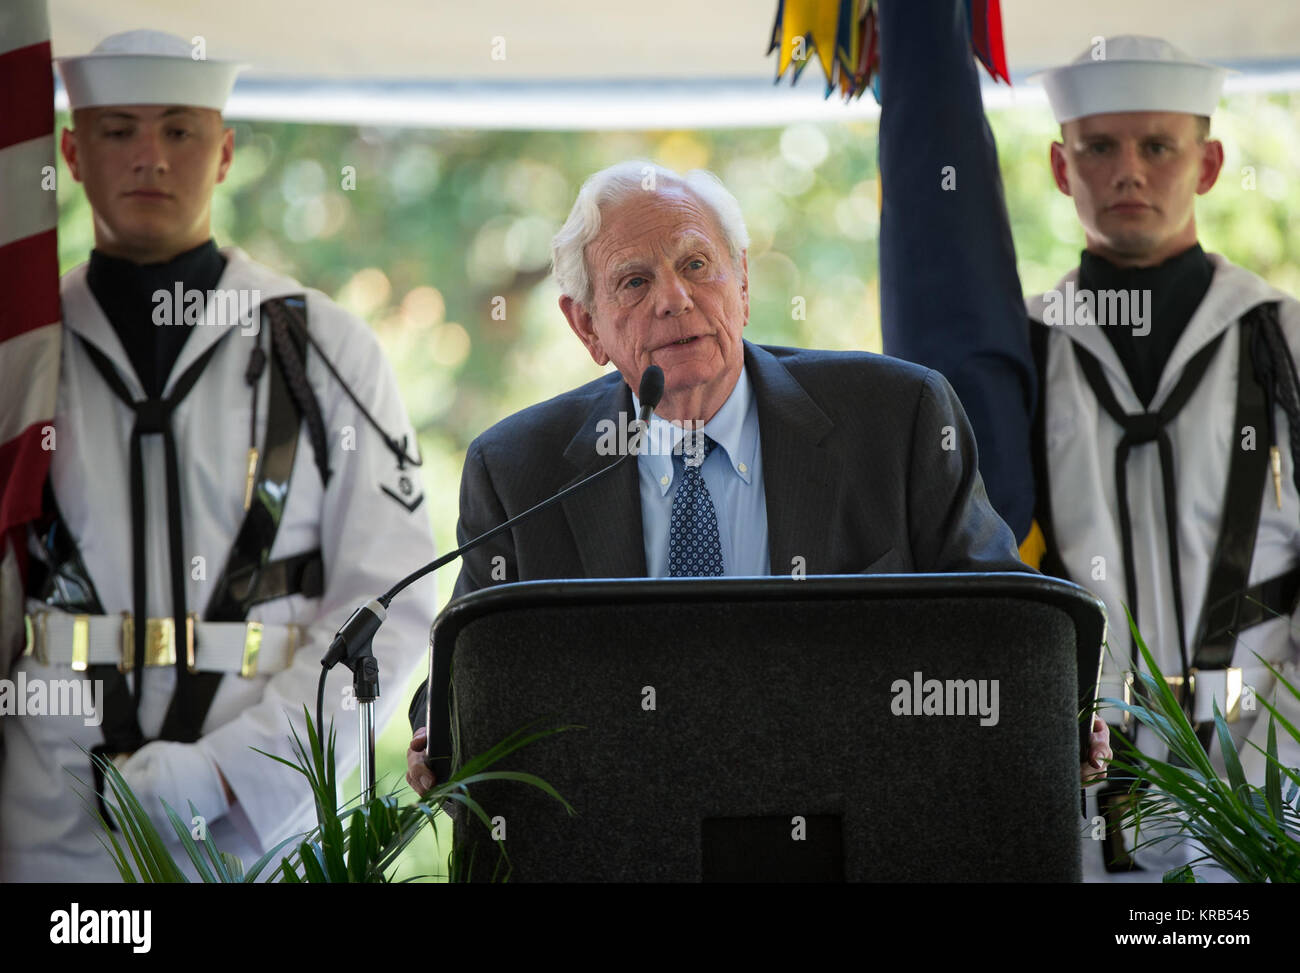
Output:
(365, 621)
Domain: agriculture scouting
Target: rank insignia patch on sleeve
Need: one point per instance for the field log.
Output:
(402, 495)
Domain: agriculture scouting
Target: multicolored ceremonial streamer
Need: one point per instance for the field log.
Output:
(844, 36)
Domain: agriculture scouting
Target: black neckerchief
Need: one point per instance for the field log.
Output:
(125, 291)
(1177, 288)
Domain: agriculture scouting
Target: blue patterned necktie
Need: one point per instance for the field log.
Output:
(694, 550)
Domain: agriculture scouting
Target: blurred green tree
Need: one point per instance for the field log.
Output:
(440, 239)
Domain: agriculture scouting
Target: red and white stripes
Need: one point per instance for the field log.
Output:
(30, 329)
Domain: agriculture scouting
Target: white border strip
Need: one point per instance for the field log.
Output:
(25, 208)
(22, 24)
(32, 353)
(612, 105)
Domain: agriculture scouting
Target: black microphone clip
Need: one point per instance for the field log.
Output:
(353, 639)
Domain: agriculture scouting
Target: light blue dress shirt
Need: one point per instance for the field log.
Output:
(733, 473)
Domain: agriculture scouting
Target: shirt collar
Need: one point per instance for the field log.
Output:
(734, 427)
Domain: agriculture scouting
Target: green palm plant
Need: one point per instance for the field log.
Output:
(356, 843)
(1251, 832)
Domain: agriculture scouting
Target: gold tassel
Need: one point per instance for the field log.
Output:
(1275, 455)
(252, 476)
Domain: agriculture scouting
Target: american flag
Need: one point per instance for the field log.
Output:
(30, 327)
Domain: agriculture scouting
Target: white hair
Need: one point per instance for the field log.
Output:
(610, 186)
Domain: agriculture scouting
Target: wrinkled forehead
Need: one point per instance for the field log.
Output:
(650, 225)
(1131, 123)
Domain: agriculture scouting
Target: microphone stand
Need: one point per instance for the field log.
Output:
(352, 644)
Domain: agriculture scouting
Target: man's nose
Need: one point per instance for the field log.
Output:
(672, 297)
(149, 152)
(1130, 167)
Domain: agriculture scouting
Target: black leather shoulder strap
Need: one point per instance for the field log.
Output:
(1244, 494)
(287, 321)
(250, 577)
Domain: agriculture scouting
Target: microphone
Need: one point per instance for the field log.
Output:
(650, 391)
(360, 628)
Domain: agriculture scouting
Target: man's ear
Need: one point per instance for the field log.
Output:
(227, 153)
(1211, 166)
(1060, 170)
(68, 146)
(580, 321)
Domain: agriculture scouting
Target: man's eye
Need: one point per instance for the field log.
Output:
(1157, 148)
(117, 133)
(1097, 148)
(696, 264)
(179, 133)
(635, 281)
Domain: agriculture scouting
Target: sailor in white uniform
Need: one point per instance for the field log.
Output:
(233, 474)
(1165, 449)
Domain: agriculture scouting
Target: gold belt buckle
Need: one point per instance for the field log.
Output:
(1178, 688)
(159, 642)
(80, 643)
(1227, 681)
(253, 632)
(1232, 694)
(36, 645)
(252, 646)
(1127, 719)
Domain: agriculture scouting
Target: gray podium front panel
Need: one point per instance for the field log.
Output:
(780, 737)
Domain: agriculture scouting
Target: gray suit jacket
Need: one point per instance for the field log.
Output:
(869, 467)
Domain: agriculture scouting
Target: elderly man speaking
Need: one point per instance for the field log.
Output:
(814, 462)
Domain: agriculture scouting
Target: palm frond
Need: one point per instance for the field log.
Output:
(1249, 831)
(358, 842)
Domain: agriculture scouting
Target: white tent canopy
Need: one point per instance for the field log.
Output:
(575, 63)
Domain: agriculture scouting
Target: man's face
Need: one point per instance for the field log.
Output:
(666, 292)
(149, 172)
(1133, 177)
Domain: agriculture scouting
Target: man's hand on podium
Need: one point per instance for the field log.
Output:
(1099, 754)
(419, 776)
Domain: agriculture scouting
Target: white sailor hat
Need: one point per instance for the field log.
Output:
(1130, 73)
(146, 67)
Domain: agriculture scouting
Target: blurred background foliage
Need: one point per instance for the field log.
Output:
(440, 240)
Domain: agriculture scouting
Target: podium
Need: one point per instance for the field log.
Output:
(892, 728)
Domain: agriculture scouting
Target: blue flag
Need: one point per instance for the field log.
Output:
(950, 297)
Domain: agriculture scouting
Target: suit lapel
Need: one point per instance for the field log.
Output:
(799, 480)
(605, 518)
(799, 473)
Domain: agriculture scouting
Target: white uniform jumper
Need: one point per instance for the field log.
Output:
(367, 522)
(1081, 440)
